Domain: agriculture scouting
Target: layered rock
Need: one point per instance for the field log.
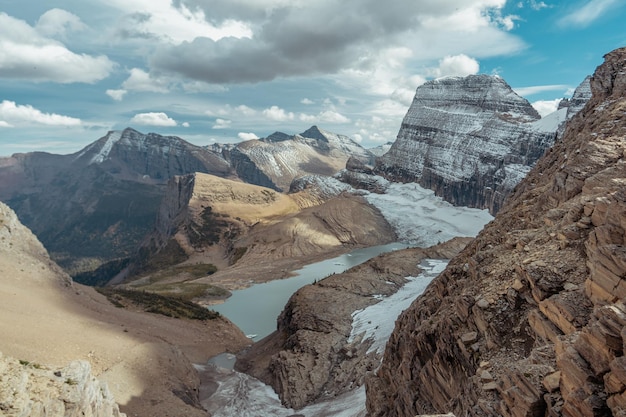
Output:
(30, 389)
(529, 320)
(470, 139)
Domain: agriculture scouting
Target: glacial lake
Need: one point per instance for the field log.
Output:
(255, 309)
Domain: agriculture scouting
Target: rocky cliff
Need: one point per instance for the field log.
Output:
(470, 139)
(530, 319)
(30, 389)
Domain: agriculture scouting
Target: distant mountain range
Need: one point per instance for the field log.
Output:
(98, 204)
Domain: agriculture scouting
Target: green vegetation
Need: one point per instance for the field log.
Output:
(193, 271)
(158, 304)
(187, 290)
(103, 274)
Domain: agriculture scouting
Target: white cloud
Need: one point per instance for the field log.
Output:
(247, 136)
(153, 119)
(116, 95)
(140, 80)
(588, 13)
(535, 89)
(26, 54)
(16, 114)
(57, 22)
(5, 124)
(277, 114)
(545, 107)
(458, 65)
(159, 19)
(538, 5)
(307, 101)
(221, 124)
(245, 110)
(186, 124)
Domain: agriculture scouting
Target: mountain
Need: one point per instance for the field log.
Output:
(67, 350)
(529, 319)
(245, 233)
(93, 208)
(280, 158)
(97, 204)
(470, 139)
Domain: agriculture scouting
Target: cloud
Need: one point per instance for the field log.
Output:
(221, 124)
(327, 116)
(57, 22)
(116, 95)
(13, 114)
(186, 124)
(160, 20)
(588, 12)
(458, 65)
(140, 80)
(153, 119)
(307, 101)
(545, 107)
(355, 40)
(529, 91)
(277, 114)
(247, 136)
(5, 124)
(26, 54)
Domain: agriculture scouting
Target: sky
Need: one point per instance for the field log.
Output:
(231, 70)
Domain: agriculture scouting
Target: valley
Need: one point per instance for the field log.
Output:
(502, 294)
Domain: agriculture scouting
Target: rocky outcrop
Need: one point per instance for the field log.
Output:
(311, 357)
(470, 139)
(530, 320)
(31, 389)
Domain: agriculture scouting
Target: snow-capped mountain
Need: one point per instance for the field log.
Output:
(283, 158)
(470, 139)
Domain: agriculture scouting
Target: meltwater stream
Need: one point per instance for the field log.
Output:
(255, 309)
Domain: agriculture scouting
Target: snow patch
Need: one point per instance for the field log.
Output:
(377, 321)
(421, 218)
(112, 139)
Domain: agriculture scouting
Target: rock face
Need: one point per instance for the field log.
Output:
(28, 389)
(530, 320)
(471, 140)
(310, 357)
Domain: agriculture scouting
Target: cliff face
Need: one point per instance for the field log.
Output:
(32, 390)
(530, 320)
(471, 140)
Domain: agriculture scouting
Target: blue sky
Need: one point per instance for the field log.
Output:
(229, 70)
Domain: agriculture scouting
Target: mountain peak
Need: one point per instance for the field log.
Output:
(315, 132)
